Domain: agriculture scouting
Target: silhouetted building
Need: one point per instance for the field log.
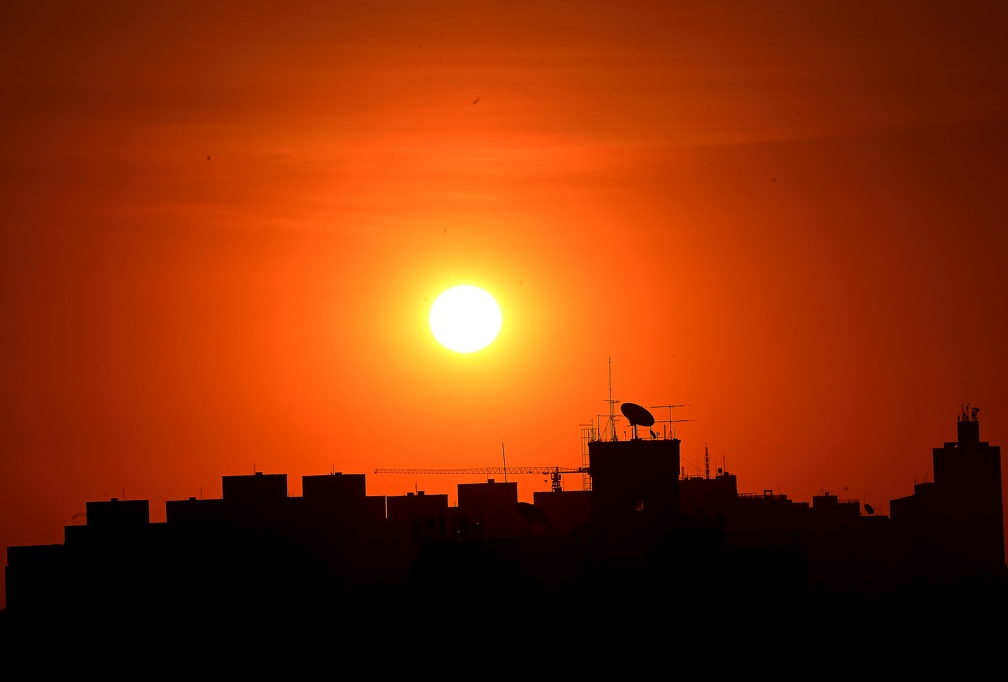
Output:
(418, 516)
(704, 496)
(634, 476)
(563, 512)
(341, 500)
(488, 510)
(117, 514)
(955, 524)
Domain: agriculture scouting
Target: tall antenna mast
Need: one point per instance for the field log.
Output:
(612, 416)
(612, 424)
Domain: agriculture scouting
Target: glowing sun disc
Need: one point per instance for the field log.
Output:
(465, 319)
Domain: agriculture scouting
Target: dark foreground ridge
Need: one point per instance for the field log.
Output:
(642, 567)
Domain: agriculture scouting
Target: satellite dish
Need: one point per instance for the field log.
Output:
(637, 416)
(870, 509)
(719, 470)
(531, 513)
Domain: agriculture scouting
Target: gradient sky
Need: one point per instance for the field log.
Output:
(224, 224)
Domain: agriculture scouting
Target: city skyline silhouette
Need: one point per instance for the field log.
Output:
(640, 543)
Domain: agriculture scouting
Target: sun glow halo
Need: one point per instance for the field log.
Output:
(465, 319)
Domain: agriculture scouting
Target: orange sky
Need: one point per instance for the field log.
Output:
(223, 227)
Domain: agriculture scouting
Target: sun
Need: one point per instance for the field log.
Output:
(465, 319)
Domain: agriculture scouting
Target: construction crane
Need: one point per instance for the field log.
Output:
(553, 472)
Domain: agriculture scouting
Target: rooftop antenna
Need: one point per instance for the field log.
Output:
(670, 420)
(612, 416)
(505, 462)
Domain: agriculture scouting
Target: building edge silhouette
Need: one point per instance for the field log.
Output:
(227, 581)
